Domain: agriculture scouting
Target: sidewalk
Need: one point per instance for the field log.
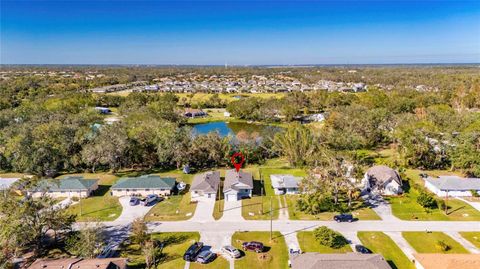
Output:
(464, 242)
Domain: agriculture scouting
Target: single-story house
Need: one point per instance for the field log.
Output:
(454, 185)
(383, 180)
(237, 185)
(193, 113)
(80, 263)
(314, 260)
(285, 184)
(447, 261)
(6, 183)
(71, 186)
(205, 186)
(143, 186)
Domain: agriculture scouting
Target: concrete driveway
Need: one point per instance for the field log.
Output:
(129, 213)
(232, 211)
(204, 211)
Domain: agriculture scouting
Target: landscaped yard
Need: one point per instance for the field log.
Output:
(406, 208)
(424, 242)
(101, 205)
(362, 213)
(380, 243)
(308, 243)
(175, 207)
(172, 253)
(275, 255)
(473, 237)
(254, 206)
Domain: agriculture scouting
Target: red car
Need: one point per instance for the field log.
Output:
(253, 246)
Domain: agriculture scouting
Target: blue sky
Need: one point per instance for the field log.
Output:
(239, 32)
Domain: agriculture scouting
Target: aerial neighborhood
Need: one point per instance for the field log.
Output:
(238, 167)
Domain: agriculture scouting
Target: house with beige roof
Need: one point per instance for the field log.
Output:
(447, 261)
(205, 186)
(314, 260)
(237, 185)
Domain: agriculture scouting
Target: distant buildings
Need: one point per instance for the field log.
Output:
(237, 185)
(453, 185)
(285, 184)
(194, 113)
(383, 180)
(205, 186)
(143, 186)
(6, 183)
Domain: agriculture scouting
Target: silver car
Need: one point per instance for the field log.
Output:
(231, 251)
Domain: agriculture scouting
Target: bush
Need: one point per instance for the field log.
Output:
(75, 199)
(315, 204)
(475, 193)
(441, 204)
(442, 245)
(330, 238)
(427, 200)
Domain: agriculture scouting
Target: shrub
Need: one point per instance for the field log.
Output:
(427, 200)
(75, 199)
(475, 193)
(328, 237)
(441, 204)
(442, 245)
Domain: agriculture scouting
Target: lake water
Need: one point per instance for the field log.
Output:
(233, 128)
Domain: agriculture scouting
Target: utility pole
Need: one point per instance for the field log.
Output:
(271, 219)
(261, 196)
(219, 195)
(446, 204)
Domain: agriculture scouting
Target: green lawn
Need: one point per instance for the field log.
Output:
(380, 243)
(172, 258)
(218, 263)
(101, 205)
(275, 255)
(308, 243)
(405, 207)
(218, 209)
(424, 242)
(473, 237)
(362, 213)
(176, 207)
(254, 205)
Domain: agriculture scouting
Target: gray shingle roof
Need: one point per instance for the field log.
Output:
(286, 181)
(313, 260)
(145, 182)
(383, 173)
(67, 183)
(206, 182)
(232, 178)
(454, 183)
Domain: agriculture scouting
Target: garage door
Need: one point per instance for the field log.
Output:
(231, 197)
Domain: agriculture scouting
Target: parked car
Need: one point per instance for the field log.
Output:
(294, 249)
(206, 256)
(134, 201)
(231, 251)
(253, 246)
(362, 249)
(343, 218)
(192, 252)
(181, 186)
(151, 199)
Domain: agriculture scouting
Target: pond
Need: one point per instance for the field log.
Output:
(234, 128)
